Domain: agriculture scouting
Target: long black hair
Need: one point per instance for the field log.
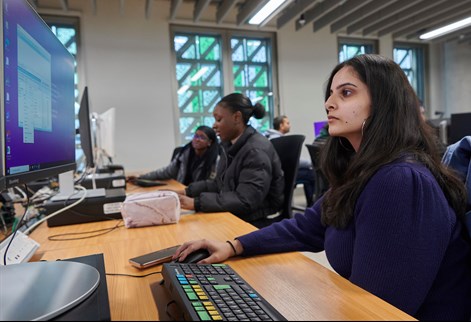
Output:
(393, 130)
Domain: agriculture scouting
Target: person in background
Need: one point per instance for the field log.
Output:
(249, 181)
(281, 126)
(305, 176)
(197, 160)
(392, 220)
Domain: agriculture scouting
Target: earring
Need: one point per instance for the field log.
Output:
(363, 128)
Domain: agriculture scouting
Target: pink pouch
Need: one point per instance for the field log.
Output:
(151, 208)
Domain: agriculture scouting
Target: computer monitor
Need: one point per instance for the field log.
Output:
(318, 127)
(37, 97)
(37, 115)
(460, 126)
(85, 130)
(105, 132)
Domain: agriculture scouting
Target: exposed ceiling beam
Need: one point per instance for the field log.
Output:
(149, 4)
(223, 10)
(338, 13)
(249, 9)
(65, 5)
(317, 11)
(174, 7)
(420, 16)
(93, 3)
(200, 6)
(380, 15)
(359, 13)
(121, 7)
(294, 11)
(435, 21)
(400, 15)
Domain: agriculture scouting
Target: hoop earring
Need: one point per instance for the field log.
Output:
(363, 128)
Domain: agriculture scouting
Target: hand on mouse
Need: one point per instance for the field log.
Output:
(219, 251)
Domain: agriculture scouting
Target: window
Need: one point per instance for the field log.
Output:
(210, 64)
(411, 59)
(350, 47)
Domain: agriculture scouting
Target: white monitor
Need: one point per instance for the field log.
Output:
(105, 134)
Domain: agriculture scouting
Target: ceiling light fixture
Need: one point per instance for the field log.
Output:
(446, 29)
(302, 20)
(268, 9)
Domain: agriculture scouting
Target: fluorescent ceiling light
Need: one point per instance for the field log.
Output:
(446, 29)
(266, 11)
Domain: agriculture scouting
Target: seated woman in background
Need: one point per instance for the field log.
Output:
(196, 161)
(249, 181)
(392, 219)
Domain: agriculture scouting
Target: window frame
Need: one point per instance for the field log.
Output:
(227, 67)
(341, 41)
(422, 71)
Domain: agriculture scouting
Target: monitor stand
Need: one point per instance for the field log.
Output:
(67, 190)
(43, 290)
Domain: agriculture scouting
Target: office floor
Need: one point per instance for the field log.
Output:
(300, 200)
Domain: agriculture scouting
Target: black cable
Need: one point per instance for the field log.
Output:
(130, 275)
(105, 231)
(16, 229)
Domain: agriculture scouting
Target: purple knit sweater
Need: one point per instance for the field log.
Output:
(404, 244)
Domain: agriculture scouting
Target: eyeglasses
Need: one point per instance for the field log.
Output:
(200, 137)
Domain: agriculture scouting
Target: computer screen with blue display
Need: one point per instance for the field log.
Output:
(37, 115)
(37, 97)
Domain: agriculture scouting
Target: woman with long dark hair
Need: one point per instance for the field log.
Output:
(391, 221)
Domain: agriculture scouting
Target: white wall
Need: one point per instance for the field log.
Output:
(128, 65)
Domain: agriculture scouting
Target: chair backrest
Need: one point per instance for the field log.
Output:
(321, 181)
(289, 148)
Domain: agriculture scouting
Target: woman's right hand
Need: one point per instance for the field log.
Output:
(219, 251)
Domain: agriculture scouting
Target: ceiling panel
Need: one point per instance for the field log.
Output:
(403, 20)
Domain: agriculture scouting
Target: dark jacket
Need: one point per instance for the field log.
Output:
(177, 169)
(249, 181)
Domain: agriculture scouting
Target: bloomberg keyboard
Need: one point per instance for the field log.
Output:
(215, 292)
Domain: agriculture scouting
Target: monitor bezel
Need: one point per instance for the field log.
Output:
(85, 129)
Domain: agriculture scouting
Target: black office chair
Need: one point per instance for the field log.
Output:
(288, 148)
(322, 184)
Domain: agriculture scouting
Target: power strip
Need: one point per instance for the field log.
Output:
(21, 249)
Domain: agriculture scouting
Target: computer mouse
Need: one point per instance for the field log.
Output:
(196, 256)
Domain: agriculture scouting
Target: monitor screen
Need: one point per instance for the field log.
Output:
(37, 97)
(460, 126)
(85, 129)
(318, 127)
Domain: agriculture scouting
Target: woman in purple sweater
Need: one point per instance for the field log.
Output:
(391, 221)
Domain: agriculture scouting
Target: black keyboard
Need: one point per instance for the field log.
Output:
(215, 292)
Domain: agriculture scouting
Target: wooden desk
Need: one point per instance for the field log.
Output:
(295, 285)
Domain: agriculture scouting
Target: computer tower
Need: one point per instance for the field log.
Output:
(96, 307)
(104, 180)
(89, 210)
